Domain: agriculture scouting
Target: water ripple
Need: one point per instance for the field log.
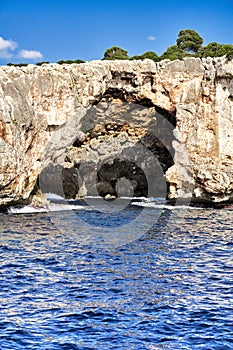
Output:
(170, 289)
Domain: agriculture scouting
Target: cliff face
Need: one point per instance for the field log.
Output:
(115, 127)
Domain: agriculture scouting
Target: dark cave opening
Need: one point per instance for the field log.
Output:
(109, 174)
(113, 114)
(106, 120)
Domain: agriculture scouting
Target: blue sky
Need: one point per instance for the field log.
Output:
(49, 30)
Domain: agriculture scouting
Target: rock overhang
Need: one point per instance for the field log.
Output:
(42, 110)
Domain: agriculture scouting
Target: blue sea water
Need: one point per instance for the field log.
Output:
(79, 280)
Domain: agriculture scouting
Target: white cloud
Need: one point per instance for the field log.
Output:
(151, 37)
(30, 54)
(5, 47)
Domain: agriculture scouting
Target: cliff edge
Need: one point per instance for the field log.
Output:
(110, 127)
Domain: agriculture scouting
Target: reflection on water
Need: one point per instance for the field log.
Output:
(169, 289)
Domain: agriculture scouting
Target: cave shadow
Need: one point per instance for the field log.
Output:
(129, 172)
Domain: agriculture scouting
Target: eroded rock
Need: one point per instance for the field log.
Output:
(77, 116)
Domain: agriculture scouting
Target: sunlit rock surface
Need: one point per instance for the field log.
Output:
(118, 128)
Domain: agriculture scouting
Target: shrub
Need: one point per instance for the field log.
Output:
(174, 53)
(116, 53)
(70, 61)
(189, 40)
(214, 49)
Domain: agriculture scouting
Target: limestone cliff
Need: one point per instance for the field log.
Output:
(116, 127)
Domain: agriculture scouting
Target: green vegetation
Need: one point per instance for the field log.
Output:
(173, 53)
(46, 62)
(70, 61)
(17, 64)
(188, 44)
(40, 63)
(149, 54)
(215, 50)
(116, 53)
(189, 40)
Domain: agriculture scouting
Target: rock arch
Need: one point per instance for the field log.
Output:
(43, 110)
(124, 148)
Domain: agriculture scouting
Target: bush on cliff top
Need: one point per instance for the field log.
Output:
(70, 61)
(173, 53)
(188, 44)
(188, 40)
(215, 50)
(115, 53)
(149, 54)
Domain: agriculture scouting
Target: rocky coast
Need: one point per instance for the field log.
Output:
(118, 128)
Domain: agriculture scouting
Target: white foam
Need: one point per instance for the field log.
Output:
(53, 196)
(157, 205)
(27, 209)
(93, 197)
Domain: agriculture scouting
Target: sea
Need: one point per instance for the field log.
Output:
(126, 274)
